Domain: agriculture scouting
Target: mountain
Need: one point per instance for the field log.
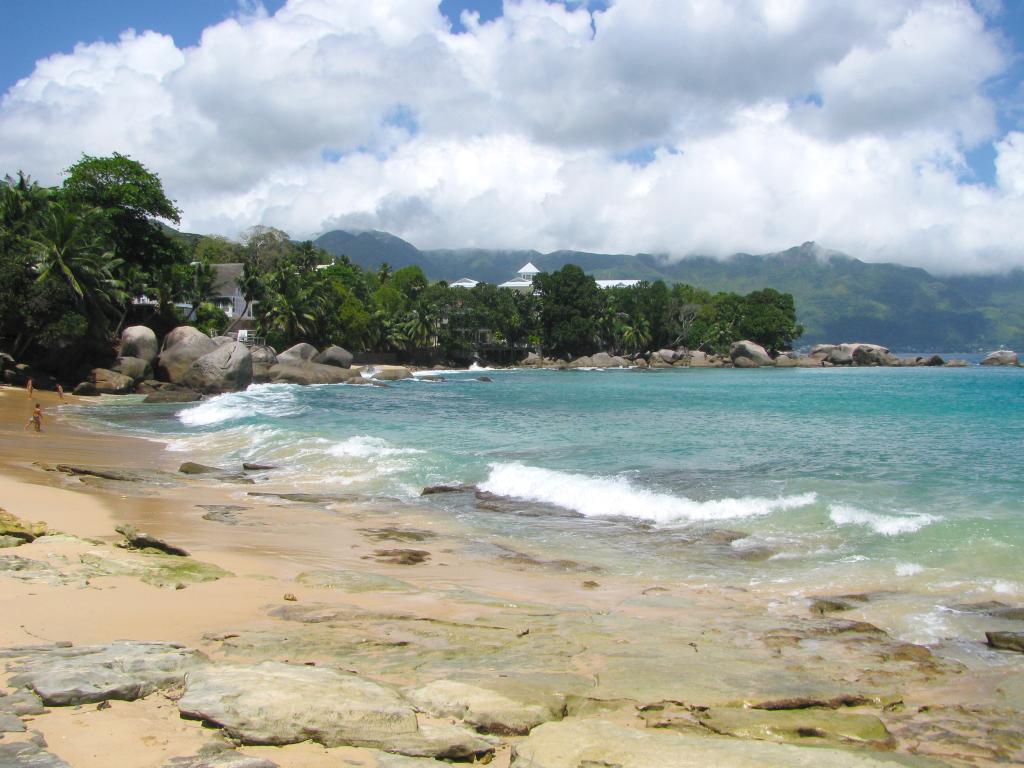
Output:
(838, 298)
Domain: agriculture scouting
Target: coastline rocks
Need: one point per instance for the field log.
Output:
(934, 360)
(336, 356)
(577, 743)
(173, 396)
(136, 368)
(30, 755)
(1001, 357)
(263, 355)
(275, 704)
(300, 353)
(139, 341)
(486, 710)
(1006, 641)
(107, 382)
(182, 347)
(307, 373)
(389, 372)
(123, 670)
(604, 360)
(785, 361)
(14, 527)
(226, 369)
(220, 758)
(872, 354)
(135, 539)
(744, 362)
(753, 352)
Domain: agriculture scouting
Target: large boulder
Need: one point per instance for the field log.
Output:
(300, 353)
(841, 354)
(1001, 357)
(276, 704)
(263, 355)
(182, 347)
(532, 360)
(389, 373)
(307, 373)
(872, 354)
(107, 382)
(137, 368)
(821, 351)
(751, 351)
(227, 369)
(139, 341)
(336, 356)
(604, 360)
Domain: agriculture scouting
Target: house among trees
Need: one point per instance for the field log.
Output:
(523, 281)
(465, 282)
(227, 291)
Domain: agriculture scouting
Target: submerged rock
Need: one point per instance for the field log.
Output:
(173, 396)
(353, 581)
(797, 726)
(123, 670)
(1007, 641)
(275, 703)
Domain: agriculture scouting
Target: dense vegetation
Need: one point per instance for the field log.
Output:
(839, 298)
(80, 261)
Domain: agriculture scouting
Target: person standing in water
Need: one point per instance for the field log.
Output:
(28, 386)
(60, 392)
(36, 419)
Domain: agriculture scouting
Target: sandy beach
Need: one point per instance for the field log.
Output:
(369, 590)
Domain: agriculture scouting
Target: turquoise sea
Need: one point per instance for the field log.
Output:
(906, 482)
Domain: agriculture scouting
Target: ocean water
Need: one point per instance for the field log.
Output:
(902, 481)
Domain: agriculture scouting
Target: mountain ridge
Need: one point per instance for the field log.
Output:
(838, 297)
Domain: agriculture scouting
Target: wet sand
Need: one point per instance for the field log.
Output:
(315, 583)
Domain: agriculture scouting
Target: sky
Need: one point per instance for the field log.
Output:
(890, 130)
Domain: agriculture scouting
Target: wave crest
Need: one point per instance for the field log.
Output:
(617, 497)
(886, 525)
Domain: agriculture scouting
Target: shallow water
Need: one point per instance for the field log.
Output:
(905, 481)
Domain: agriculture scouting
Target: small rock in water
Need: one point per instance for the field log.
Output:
(590, 585)
(1006, 641)
(402, 556)
(192, 468)
(290, 597)
(249, 466)
(433, 489)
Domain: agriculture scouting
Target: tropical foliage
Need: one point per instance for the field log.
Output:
(79, 261)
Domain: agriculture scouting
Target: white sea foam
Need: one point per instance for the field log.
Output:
(617, 497)
(268, 400)
(887, 525)
(908, 569)
(367, 447)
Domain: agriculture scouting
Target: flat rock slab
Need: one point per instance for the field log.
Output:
(1007, 641)
(797, 726)
(576, 743)
(154, 568)
(353, 581)
(274, 703)
(25, 754)
(486, 710)
(123, 670)
(11, 724)
(33, 571)
(226, 758)
(22, 703)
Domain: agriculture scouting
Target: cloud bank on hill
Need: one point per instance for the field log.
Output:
(676, 126)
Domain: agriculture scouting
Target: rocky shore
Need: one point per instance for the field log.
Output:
(181, 615)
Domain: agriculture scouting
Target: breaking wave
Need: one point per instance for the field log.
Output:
(886, 525)
(617, 497)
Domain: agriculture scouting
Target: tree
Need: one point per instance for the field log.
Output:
(569, 303)
(128, 197)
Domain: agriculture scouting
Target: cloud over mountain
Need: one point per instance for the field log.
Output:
(680, 126)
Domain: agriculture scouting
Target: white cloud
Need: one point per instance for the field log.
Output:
(767, 123)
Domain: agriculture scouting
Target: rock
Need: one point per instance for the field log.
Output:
(138, 540)
(797, 726)
(1007, 641)
(353, 581)
(431, 490)
(697, 359)
(222, 340)
(85, 389)
(532, 360)
(641, 364)
(182, 347)
(839, 355)
(871, 354)
(1001, 357)
(601, 744)
(139, 341)
(6, 542)
(192, 468)
(957, 364)
(106, 382)
(300, 353)
(220, 758)
(667, 355)
(402, 556)
(389, 372)
(486, 710)
(173, 396)
(485, 379)
(584, 361)
(134, 368)
(308, 373)
(744, 362)
(223, 513)
(275, 703)
(785, 361)
(22, 703)
(226, 369)
(992, 608)
(263, 355)
(29, 755)
(154, 568)
(604, 360)
(123, 670)
(930, 361)
(11, 724)
(15, 527)
(336, 356)
(750, 350)
(251, 466)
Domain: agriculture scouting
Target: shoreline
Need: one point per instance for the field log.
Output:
(599, 645)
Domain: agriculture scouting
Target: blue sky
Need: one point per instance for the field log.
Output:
(890, 129)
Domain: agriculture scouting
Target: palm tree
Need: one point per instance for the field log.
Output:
(69, 252)
(638, 335)
(419, 328)
(293, 308)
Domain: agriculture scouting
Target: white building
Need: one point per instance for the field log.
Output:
(523, 281)
(466, 282)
